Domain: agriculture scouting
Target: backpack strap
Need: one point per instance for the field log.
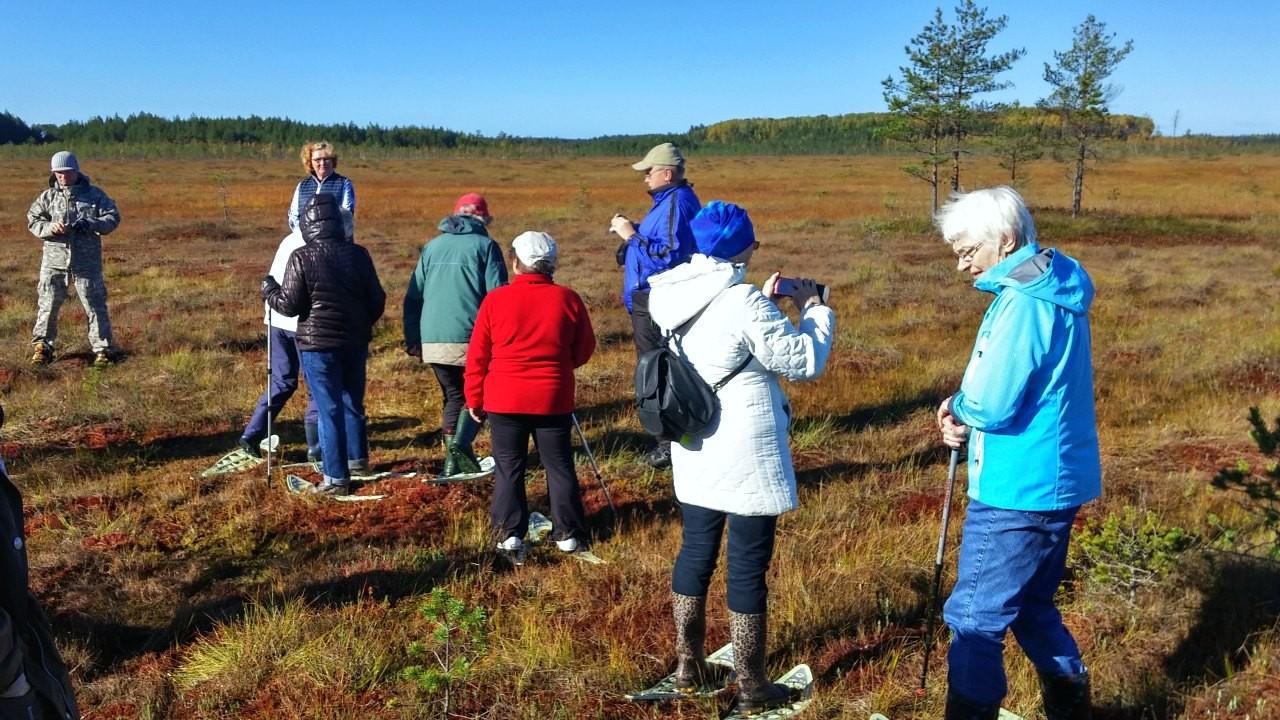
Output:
(678, 336)
(725, 380)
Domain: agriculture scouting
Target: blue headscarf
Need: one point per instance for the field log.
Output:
(722, 230)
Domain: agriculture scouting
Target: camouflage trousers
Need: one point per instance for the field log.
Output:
(51, 291)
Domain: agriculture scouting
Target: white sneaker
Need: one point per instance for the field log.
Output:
(568, 545)
(511, 544)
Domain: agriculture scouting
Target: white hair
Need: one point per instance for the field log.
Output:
(986, 216)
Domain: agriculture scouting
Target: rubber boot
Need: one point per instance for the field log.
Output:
(1066, 697)
(961, 708)
(464, 433)
(690, 615)
(313, 441)
(756, 692)
(450, 465)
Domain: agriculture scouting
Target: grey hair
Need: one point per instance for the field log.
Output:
(986, 216)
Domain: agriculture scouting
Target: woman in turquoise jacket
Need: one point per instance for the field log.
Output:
(1026, 408)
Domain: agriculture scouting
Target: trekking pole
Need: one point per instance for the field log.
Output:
(594, 466)
(937, 569)
(269, 319)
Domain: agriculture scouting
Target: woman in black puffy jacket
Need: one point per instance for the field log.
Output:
(332, 286)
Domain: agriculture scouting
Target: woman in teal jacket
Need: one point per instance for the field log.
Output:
(455, 271)
(1027, 396)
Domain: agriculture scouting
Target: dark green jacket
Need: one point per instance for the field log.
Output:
(454, 273)
(26, 644)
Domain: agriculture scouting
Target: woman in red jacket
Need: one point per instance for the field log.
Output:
(528, 338)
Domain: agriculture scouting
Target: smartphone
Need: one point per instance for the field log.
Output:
(787, 286)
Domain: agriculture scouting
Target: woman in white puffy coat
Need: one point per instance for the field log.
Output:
(739, 474)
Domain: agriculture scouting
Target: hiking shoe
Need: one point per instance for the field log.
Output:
(102, 358)
(513, 548)
(358, 467)
(41, 354)
(328, 487)
(569, 545)
(249, 447)
(660, 456)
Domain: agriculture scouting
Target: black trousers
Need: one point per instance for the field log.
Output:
(450, 379)
(647, 335)
(509, 509)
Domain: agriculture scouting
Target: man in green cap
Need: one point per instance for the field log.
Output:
(662, 241)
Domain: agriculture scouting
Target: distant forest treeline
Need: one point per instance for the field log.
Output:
(855, 133)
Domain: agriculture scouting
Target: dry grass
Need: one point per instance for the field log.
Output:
(187, 598)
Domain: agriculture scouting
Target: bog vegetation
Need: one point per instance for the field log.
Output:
(180, 597)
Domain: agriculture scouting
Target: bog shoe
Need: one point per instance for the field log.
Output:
(328, 487)
(358, 467)
(41, 353)
(569, 545)
(959, 707)
(250, 447)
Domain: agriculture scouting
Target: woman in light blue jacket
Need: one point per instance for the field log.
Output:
(1027, 396)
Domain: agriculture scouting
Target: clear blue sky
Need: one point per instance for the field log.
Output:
(581, 69)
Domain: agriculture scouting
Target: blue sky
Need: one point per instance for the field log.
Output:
(581, 69)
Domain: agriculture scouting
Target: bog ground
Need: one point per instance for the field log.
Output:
(180, 597)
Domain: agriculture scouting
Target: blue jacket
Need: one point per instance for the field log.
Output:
(1027, 393)
(663, 239)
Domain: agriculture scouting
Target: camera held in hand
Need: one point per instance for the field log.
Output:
(787, 286)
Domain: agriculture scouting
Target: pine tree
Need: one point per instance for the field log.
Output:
(936, 98)
(1081, 94)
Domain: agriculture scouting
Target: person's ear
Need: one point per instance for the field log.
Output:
(1008, 244)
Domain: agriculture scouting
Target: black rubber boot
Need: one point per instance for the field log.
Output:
(450, 465)
(313, 441)
(1066, 697)
(690, 615)
(756, 692)
(460, 449)
(961, 708)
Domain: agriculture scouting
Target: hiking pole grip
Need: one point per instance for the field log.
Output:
(932, 611)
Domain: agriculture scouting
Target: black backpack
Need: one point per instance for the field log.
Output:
(672, 399)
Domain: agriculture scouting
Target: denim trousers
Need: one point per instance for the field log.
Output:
(750, 551)
(282, 383)
(336, 380)
(1011, 562)
(509, 509)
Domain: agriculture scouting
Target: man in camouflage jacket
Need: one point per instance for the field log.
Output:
(71, 217)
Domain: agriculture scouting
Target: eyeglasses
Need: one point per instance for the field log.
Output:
(654, 169)
(969, 253)
(327, 158)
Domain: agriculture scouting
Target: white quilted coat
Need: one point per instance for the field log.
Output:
(744, 466)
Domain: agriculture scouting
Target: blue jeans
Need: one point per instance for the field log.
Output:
(750, 550)
(336, 379)
(281, 385)
(1011, 562)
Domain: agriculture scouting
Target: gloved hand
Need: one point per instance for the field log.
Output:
(82, 225)
(269, 285)
(621, 253)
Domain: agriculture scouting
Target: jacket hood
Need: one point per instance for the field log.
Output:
(82, 180)
(321, 220)
(683, 291)
(1043, 274)
(463, 225)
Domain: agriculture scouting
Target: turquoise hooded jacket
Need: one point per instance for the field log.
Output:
(1027, 393)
